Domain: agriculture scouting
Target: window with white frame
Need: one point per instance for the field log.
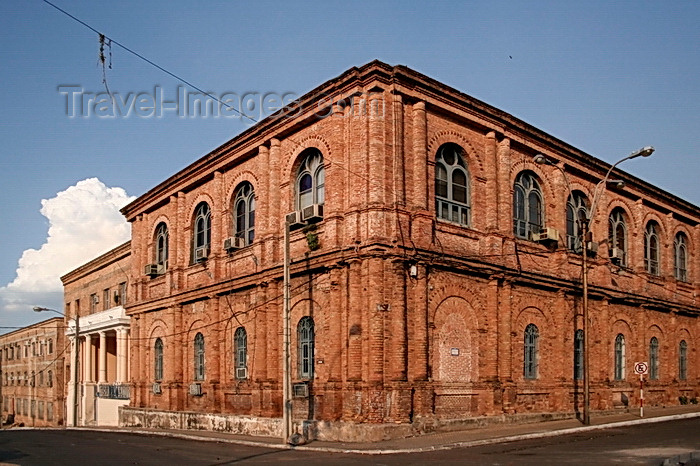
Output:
(651, 248)
(158, 360)
(617, 236)
(452, 197)
(310, 182)
(680, 257)
(683, 360)
(199, 357)
(162, 239)
(576, 213)
(305, 350)
(620, 357)
(528, 210)
(240, 339)
(654, 358)
(201, 232)
(531, 347)
(578, 355)
(244, 213)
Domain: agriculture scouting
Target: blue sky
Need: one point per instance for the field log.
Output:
(606, 77)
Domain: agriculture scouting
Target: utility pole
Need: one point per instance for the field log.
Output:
(76, 373)
(286, 358)
(586, 358)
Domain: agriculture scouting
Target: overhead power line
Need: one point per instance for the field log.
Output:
(104, 37)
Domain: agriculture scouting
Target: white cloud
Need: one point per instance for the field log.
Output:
(84, 221)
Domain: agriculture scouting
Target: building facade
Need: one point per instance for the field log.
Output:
(95, 295)
(435, 272)
(31, 369)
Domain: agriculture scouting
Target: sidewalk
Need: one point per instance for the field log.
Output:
(495, 433)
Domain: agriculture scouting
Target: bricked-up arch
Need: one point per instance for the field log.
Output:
(452, 185)
(455, 342)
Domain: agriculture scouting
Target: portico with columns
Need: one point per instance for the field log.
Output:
(96, 293)
(103, 367)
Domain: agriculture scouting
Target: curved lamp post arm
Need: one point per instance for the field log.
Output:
(643, 152)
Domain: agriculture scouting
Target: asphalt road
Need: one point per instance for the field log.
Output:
(646, 444)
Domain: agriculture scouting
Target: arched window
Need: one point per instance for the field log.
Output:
(50, 346)
(576, 211)
(240, 339)
(620, 357)
(199, 357)
(617, 237)
(201, 232)
(654, 358)
(158, 360)
(683, 360)
(528, 213)
(680, 257)
(532, 336)
(651, 248)
(310, 183)
(578, 355)
(451, 185)
(161, 246)
(305, 355)
(244, 213)
(50, 379)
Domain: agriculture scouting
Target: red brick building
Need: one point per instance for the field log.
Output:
(31, 369)
(434, 275)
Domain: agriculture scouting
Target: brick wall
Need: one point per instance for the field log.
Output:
(414, 316)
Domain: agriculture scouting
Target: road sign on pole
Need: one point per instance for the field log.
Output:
(641, 368)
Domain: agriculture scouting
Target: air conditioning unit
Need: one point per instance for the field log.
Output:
(591, 248)
(617, 254)
(196, 389)
(157, 388)
(300, 390)
(312, 212)
(234, 243)
(153, 270)
(201, 254)
(241, 373)
(294, 218)
(546, 235)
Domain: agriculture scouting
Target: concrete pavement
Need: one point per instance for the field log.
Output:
(478, 435)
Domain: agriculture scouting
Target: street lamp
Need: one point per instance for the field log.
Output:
(586, 237)
(76, 357)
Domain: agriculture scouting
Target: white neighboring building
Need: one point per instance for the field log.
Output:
(97, 292)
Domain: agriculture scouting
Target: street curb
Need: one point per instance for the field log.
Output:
(450, 446)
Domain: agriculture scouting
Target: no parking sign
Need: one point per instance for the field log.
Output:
(641, 368)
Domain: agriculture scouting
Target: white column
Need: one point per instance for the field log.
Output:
(70, 407)
(87, 354)
(103, 358)
(121, 355)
